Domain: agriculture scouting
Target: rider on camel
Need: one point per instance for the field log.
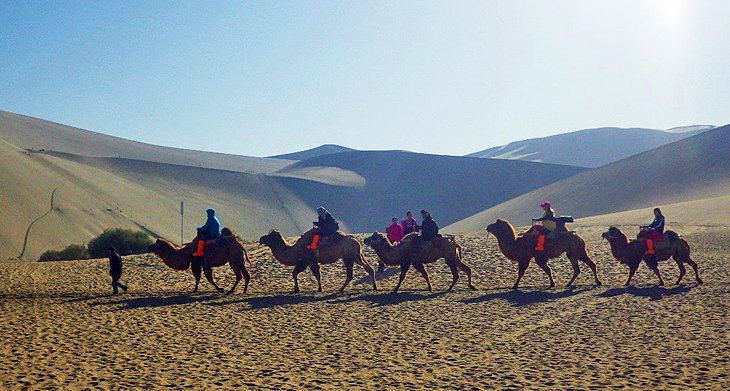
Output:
(209, 231)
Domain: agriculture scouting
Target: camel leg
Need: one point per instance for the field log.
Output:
(652, 263)
(694, 267)
(466, 269)
(239, 275)
(403, 270)
(419, 266)
(349, 264)
(588, 261)
(632, 271)
(543, 263)
(314, 267)
(298, 268)
(682, 271)
(454, 274)
(365, 265)
(208, 271)
(197, 269)
(521, 272)
(576, 269)
(246, 278)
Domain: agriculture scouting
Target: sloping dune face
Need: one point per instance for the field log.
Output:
(692, 169)
(62, 329)
(32, 133)
(377, 185)
(97, 193)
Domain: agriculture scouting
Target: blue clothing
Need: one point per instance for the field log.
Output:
(211, 230)
(658, 225)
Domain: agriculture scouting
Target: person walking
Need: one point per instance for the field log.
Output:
(115, 270)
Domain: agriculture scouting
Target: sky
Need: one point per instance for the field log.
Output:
(448, 77)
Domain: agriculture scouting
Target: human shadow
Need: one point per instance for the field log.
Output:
(269, 301)
(156, 301)
(519, 298)
(391, 298)
(652, 292)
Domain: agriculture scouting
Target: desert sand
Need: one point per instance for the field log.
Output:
(62, 328)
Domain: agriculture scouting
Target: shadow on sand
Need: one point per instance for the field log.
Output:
(518, 298)
(385, 299)
(259, 302)
(156, 301)
(652, 292)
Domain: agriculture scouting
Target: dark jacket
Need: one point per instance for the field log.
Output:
(327, 225)
(429, 229)
(115, 264)
(211, 230)
(658, 224)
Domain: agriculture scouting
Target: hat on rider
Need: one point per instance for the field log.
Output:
(210, 212)
(545, 204)
(321, 210)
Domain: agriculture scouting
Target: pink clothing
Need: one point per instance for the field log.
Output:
(395, 232)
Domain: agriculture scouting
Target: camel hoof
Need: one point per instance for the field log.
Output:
(295, 291)
(514, 286)
(699, 281)
(598, 283)
(472, 287)
(661, 283)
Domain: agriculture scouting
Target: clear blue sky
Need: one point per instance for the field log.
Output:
(450, 77)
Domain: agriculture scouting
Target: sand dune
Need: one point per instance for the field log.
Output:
(98, 193)
(696, 168)
(62, 329)
(393, 182)
(33, 133)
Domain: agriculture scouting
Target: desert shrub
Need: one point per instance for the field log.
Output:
(74, 251)
(125, 241)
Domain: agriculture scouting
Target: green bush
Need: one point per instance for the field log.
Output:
(125, 241)
(72, 252)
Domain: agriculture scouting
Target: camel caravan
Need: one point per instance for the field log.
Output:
(326, 244)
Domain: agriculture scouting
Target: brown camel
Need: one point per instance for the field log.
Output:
(522, 250)
(346, 248)
(631, 253)
(400, 255)
(226, 249)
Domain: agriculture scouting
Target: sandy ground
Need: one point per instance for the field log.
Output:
(61, 328)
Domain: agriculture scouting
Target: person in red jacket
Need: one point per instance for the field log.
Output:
(394, 231)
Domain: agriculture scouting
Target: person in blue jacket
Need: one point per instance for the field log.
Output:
(209, 231)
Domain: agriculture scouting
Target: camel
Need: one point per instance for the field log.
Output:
(346, 248)
(632, 252)
(227, 249)
(522, 250)
(397, 255)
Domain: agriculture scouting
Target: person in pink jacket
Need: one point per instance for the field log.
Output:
(394, 232)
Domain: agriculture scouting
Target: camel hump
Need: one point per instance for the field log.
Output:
(672, 236)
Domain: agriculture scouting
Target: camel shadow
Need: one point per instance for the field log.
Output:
(518, 298)
(654, 293)
(386, 299)
(156, 301)
(261, 302)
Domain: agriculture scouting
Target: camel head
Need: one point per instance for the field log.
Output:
(375, 239)
(160, 246)
(271, 239)
(499, 227)
(612, 234)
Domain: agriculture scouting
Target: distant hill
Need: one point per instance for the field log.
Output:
(695, 168)
(32, 133)
(367, 188)
(590, 147)
(314, 152)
